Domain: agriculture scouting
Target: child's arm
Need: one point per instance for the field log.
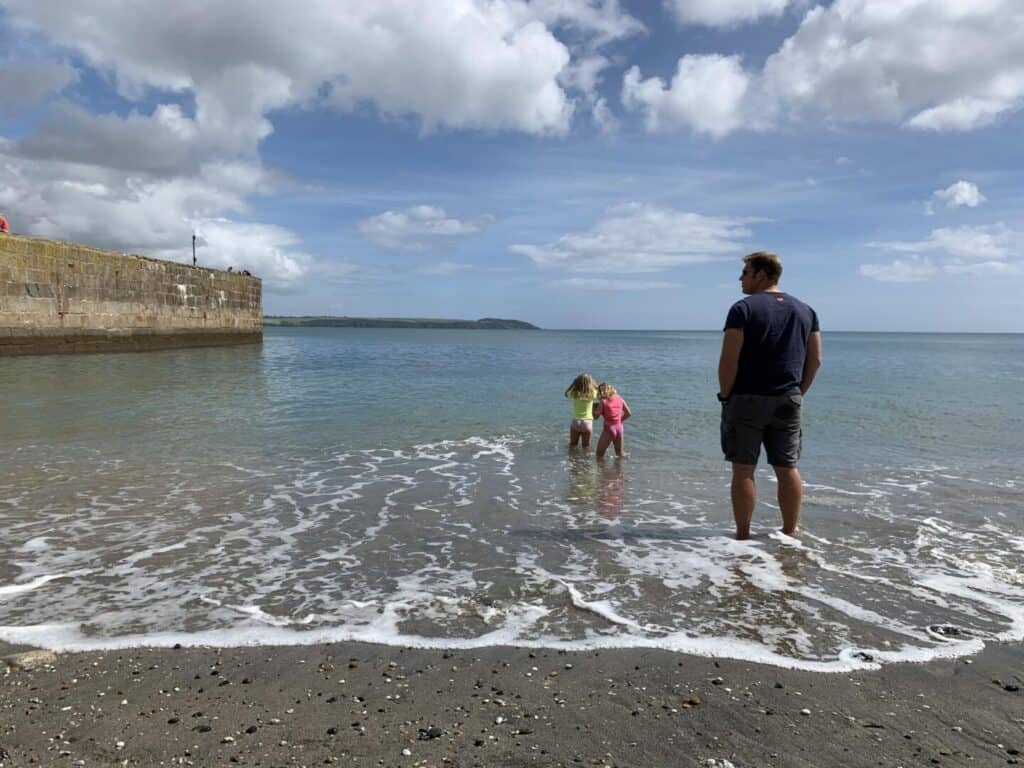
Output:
(595, 411)
(626, 413)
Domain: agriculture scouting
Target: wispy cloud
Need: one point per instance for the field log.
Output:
(607, 284)
(638, 237)
(993, 248)
(419, 228)
(985, 268)
(336, 272)
(910, 270)
(995, 241)
(445, 268)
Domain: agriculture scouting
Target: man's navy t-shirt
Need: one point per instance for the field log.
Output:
(775, 329)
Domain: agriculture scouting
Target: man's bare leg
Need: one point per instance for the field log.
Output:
(791, 496)
(744, 497)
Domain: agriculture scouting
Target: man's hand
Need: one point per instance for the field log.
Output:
(812, 362)
(729, 361)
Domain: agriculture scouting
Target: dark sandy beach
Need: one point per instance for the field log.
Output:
(358, 704)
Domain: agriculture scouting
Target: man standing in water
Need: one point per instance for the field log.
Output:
(771, 351)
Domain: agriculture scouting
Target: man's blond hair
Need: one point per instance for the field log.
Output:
(765, 261)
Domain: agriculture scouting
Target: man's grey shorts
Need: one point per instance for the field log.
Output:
(749, 420)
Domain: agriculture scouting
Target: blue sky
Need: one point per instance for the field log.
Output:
(573, 163)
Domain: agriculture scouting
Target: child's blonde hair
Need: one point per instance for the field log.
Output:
(605, 390)
(583, 387)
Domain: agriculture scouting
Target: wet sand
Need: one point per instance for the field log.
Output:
(360, 704)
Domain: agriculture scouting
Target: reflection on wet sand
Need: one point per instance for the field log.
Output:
(595, 485)
(611, 488)
(582, 479)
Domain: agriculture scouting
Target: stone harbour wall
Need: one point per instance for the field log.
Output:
(63, 297)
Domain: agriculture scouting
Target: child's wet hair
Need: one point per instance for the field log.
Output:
(604, 390)
(583, 387)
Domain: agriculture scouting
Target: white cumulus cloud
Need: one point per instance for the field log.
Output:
(203, 81)
(108, 208)
(960, 193)
(942, 65)
(461, 64)
(264, 249)
(418, 228)
(163, 143)
(724, 13)
(706, 94)
(637, 238)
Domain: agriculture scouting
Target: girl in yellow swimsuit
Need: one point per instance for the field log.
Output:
(582, 392)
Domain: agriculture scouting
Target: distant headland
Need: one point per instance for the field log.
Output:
(323, 321)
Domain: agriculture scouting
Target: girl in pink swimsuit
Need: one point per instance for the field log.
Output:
(614, 410)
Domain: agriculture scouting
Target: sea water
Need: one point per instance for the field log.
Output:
(413, 487)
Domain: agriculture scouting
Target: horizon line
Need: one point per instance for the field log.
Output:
(635, 330)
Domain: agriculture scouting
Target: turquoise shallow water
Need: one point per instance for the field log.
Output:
(413, 487)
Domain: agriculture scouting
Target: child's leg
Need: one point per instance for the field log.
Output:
(586, 437)
(618, 446)
(574, 437)
(602, 444)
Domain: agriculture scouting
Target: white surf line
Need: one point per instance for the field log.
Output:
(28, 586)
(603, 608)
(69, 637)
